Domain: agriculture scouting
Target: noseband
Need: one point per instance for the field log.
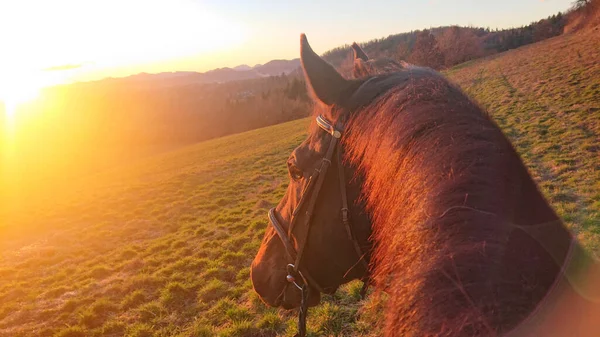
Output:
(297, 274)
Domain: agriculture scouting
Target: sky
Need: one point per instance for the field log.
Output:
(45, 42)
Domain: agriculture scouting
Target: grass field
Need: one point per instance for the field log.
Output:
(163, 247)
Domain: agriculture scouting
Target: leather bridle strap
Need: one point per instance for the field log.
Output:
(312, 189)
(314, 184)
(310, 194)
(344, 210)
(282, 234)
(321, 173)
(290, 248)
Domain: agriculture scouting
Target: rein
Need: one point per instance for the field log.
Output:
(297, 274)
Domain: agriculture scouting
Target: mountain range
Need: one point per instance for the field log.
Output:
(220, 75)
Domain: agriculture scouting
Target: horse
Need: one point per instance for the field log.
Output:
(406, 182)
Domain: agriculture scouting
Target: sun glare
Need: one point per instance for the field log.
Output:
(15, 97)
(16, 89)
(88, 40)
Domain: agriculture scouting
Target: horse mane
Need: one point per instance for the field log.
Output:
(363, 68)
(453, 210)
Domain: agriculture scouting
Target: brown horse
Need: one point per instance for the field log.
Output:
(454, 227)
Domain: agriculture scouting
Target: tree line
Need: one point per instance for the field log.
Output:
(444, 47)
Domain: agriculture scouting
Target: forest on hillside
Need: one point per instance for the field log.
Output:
(444, 47)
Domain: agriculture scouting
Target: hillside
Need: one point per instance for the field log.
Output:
(163, 247)
(220, 75)
(123, 122)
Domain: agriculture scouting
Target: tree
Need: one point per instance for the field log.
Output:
(425, 51)
(459, 45)
(581, 3)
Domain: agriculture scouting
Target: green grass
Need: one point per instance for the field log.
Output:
(163, 247)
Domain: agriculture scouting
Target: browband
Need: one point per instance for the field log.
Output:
(324, 124)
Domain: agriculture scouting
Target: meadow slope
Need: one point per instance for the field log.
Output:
(163, 247)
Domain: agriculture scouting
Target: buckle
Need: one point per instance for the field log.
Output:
(291, 270)
(345, 215)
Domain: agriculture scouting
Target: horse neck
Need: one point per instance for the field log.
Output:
(465, 242)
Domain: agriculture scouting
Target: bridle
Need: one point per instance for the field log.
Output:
(297, 274)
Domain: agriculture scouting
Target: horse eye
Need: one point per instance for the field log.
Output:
(295, 172)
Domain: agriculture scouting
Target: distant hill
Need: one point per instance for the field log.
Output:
(220, 75)
(242, 67)
(278, 67)
(227, 75)
(178, 78)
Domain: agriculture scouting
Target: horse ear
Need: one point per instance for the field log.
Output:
(322, 79)
(360, 68)
(359, 53)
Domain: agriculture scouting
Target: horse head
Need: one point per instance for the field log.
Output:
(319, 231)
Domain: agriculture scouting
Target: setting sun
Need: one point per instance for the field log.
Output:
(15, 93)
